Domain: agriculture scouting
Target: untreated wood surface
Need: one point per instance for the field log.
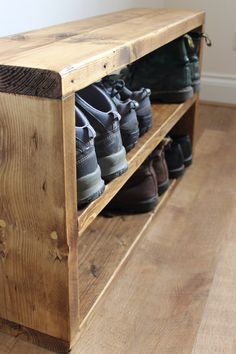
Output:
(176, 293)
(59, 60)
(38, 228)
(165, 116)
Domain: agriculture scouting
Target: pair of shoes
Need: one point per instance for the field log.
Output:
(172, 71)
(106, 127)
(100, 154)
(178, 154)
(141, 192)
(140, 99)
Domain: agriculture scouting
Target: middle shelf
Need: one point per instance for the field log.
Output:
(165, 116)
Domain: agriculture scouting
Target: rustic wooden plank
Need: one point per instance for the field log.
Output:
(104, 250)
(92, 54)
(164, 118)
(23, 333)
(16, 44)
(38, 230)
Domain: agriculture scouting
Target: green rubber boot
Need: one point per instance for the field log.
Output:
(166, 71)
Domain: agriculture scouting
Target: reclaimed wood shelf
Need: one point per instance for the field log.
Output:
(45, 269)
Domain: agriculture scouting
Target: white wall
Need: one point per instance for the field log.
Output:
(24, 15)
(219, 67)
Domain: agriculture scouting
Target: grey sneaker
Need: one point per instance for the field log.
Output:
(89, 182)
(104, 118)
(129, 126)
(142, 97)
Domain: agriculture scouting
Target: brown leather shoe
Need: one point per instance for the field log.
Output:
(139, 194)
(160, 167)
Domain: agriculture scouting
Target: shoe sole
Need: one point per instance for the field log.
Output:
(89, 187)
(143, 206)
(177, 172)
(188, 161)
(177, 96)
(114, 165)
(163, 187)
(145, 123)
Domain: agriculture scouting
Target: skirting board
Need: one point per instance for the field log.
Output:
(218, 88)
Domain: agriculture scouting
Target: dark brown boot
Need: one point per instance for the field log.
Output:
(139, 194)
(161, 169)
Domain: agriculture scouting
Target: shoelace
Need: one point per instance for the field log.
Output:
(207, 39)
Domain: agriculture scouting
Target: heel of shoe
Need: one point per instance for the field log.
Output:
(145, 123)
(129, 139)
(177, 172)
(177, 96)
(143, 206)
(113, 165)
(89, 187)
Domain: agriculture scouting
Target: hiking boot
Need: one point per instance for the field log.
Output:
(139, 194)
(194, 62)
(89, 183)
(174, 159)
(192, 42)
(186, 146)
(166, 71)
(127, 109)
(160, 168)
(104, 118)
(142, 96)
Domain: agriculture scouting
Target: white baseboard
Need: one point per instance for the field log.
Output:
(218, 88)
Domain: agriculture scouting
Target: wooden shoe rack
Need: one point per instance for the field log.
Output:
(55, 262)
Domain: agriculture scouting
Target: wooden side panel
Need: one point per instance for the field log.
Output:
(37, 221)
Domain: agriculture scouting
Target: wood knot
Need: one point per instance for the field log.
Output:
(57, 252)
(94, 270)
(3, 243)
(2, 223)
(35, 140)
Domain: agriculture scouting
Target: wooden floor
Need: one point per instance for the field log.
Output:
(177, 293)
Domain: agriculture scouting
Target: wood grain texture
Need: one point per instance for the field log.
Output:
(90, 51)
(104, 249)
(163, 294)
(164, 118)
(182, 300)
(37, 214)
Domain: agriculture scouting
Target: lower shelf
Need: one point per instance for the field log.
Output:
(103, 250)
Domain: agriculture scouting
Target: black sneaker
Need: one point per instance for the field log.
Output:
(129, 127)
(104, 118)
(142, 96)
(186, 146)
(89, 182)
(174, 159)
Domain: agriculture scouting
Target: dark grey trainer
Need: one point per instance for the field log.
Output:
(129, 126)
(142, 96)
(174, 159)
(185, 142)
(104, 118)
(89, 182)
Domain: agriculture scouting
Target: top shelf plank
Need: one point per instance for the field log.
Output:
(56, 61)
